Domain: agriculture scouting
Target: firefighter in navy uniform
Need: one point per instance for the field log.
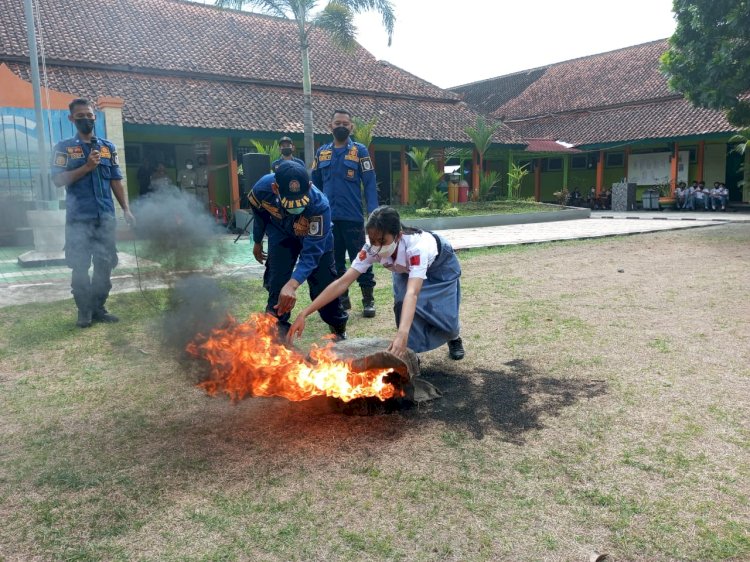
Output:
(287, 149)
(340, 169)
(297, 219)
(90, 170)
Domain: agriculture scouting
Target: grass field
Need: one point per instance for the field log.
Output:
(603, 406)
(487, 208)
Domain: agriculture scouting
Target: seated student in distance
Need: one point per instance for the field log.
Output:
(426, 287)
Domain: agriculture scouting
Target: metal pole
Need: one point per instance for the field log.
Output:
(46, 192)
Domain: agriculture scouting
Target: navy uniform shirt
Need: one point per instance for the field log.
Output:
(275, 164)
(91, 196)
(341, 172)
(313, 226)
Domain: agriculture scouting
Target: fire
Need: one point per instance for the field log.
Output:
(246, 359)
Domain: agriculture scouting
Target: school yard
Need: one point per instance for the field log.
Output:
(602, 407)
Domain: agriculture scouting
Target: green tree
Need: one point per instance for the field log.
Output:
(515, 178)
(364, 130)
(427, 176)
(708, 55)
(335, 16)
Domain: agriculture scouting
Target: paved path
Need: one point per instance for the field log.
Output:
(602, 223)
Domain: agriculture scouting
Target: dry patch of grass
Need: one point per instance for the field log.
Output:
(596, 410)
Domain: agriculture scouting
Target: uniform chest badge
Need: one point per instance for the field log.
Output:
(324, 155)
(301, 226)
(104, 152)
(75, 152)
(353, 154)
(350, 174)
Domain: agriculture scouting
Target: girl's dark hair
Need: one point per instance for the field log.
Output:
(387, 220)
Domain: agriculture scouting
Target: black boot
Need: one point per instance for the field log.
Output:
(456, 349)
(103, 315)
(346, 304)
(83, 302)
(84, 318)
(368, 302)
(339, 332)
(100, 314)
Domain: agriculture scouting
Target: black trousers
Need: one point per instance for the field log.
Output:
(281, 260)
(87, 242)
(349, 238)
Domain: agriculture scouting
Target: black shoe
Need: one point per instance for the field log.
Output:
(339, 332)
(84, 319)
(346, 304)
(456, 349)
(369, 309)
(101, 315)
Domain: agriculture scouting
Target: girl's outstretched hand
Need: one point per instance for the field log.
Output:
(296, 330)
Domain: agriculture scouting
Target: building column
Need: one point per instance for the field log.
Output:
(538, 180)
(439, 159)
(404, 177)
(625, 159)
(600, 172)
(701, 156)
(475, 171)
(566, 162)
(112, 109)
(234, 181)
(673, 173)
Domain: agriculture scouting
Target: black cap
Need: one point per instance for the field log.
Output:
(294, 185)
(285, 139)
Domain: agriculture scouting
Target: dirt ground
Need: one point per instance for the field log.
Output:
(602, 406)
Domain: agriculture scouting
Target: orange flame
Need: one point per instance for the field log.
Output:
(246, 359)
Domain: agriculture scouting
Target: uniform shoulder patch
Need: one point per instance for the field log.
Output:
(301, 226)
(316, 226)
(61, 159)
(366, 164)
(414, 260)
(362, 255)
(115, 159)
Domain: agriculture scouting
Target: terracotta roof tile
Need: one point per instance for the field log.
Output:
(179, 36)
(663, 119)
(214, 104)
(547, 145)
(617, 77)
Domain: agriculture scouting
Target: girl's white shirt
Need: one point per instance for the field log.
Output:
(415, 253)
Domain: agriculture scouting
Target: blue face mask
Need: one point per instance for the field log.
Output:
(297, 211)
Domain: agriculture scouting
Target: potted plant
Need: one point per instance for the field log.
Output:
(667, 199)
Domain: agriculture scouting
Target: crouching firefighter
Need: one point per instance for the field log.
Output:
(297, 219)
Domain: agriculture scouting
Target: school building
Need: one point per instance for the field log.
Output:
(175, 80)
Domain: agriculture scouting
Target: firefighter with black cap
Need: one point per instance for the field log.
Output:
(287, 149)
(296, 217)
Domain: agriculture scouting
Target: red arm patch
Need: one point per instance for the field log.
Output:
(414, 260)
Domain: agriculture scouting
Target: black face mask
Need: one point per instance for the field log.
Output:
(85, 126)
(286, 151)
(341, 133)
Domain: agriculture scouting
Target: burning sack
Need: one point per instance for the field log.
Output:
(246, 359)
(370, 353)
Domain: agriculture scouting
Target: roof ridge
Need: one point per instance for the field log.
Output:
(598, 108)
(546, 66)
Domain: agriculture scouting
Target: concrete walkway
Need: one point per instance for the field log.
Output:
(601, 224)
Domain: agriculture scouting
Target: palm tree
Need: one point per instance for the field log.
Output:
(336, 17)
(481, 135)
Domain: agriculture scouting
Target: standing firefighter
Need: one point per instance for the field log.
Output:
(89, 168)
(297, 219)
(426, 286)
(287, 150)
(340, 169)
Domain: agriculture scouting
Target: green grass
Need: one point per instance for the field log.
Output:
(486, 208)
(574, 424)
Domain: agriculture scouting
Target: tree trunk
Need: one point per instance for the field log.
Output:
(307, 104)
